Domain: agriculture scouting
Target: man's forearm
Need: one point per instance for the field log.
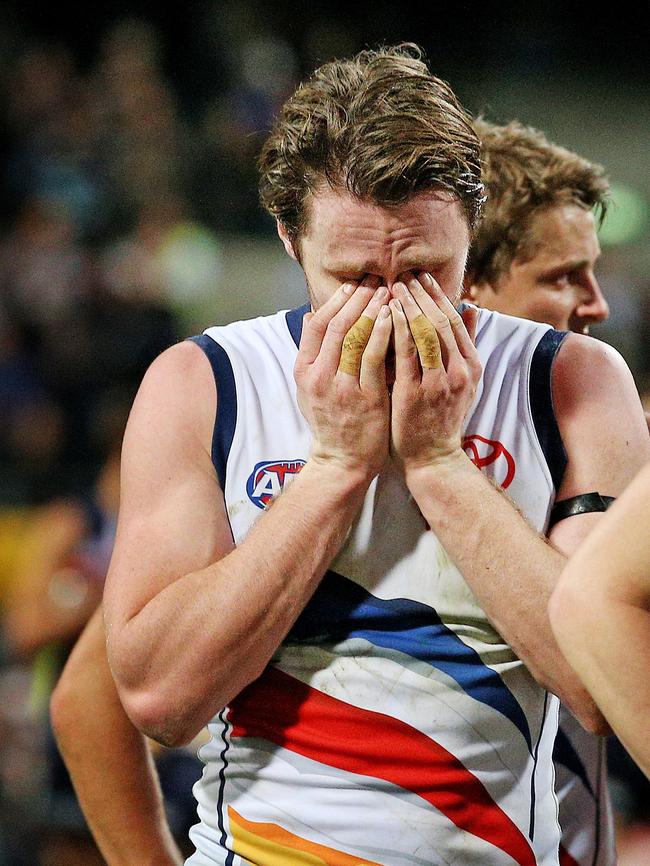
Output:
(199, 641)
(600, 613)
(109, 761)
(509, 567)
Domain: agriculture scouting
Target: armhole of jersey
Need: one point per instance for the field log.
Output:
(541, 404)
(224, 423)
(294, 322)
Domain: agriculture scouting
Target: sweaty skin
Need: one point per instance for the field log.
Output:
(354, 343)
(427, 342)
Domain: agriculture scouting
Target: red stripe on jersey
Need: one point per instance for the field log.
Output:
(287, 712)
(566, 859)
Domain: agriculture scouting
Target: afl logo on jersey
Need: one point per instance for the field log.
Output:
(483, 452)
(269, 478)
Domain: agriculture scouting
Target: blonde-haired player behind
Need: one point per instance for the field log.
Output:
(534, 255)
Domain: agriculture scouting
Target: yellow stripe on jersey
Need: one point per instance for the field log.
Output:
(272, 845)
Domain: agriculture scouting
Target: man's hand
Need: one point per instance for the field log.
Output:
(432, 392)
(347, 411)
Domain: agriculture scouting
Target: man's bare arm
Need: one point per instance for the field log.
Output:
(510, 568)
(600, 613)
(190, 619)
(109, 761)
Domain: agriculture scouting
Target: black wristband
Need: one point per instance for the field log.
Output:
(582, 504)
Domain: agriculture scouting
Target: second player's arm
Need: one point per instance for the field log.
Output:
(109, 760)
(600, 612)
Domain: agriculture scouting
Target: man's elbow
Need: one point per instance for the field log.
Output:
(590, 717)
(149, 705)
(160, 719)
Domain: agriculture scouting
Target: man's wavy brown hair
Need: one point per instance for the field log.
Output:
(524, 174)
(379, 125)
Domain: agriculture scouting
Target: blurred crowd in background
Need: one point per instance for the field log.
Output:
(129, 220)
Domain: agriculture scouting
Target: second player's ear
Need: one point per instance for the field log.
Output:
(286, 240)
(479, 294)
(469, 288)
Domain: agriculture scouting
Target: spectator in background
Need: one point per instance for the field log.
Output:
(56, 585)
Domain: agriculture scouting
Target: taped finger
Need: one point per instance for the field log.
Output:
(427, 342)
(354, 342)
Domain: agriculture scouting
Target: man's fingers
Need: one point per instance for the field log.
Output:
(429, 337)
(350, 348)
(427, 342)
(406, 353)
(444, 321)
(365, 300)
(314, 328)
(464, 340)
(373, 362)
(354, 343)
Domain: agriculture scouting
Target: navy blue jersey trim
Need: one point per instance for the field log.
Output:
(541, 404)
(222, 785)
(564, 753)
(294, 321)
(601, 782)
(533, 790)
(224, 424)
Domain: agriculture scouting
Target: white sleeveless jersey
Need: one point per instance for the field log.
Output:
(586, 817)
(394, 725)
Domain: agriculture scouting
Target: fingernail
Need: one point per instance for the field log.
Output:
(426, 277)
(384, 312)
(381, 293)
(396, 304)
(348, 288)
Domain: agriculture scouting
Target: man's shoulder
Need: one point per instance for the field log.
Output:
(595, 393)
(272, 327)
(260, 345)
(586, 360)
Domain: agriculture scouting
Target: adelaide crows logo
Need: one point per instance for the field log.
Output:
(269, 477)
